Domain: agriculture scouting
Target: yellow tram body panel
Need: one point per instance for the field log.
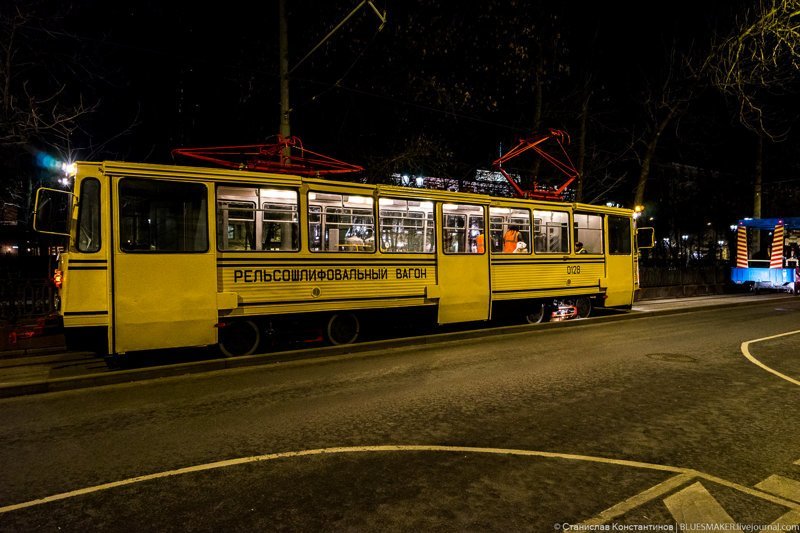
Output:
(535, 278)
(265, 287)
(174, 307)
(86, 307)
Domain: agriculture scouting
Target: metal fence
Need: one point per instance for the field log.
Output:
(670, 277)
(26, 288)
(22, 299)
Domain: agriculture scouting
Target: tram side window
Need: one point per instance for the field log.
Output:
(281, 228)
(163, 216)
(236, 225)
(407, 226)
(550, 232)
(463, 229)
(243, 226)
(280, 224)
(314, 228)
(619, 235)
(589, 231)
(340, 223)
(510, 230)
(89, 216)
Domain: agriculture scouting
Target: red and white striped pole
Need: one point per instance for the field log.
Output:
(776, 258)
(741, 247)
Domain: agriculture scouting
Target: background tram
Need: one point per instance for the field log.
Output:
(168, 256)
(768, 254)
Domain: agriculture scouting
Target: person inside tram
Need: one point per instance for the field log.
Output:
(479, 244)
(791, 258)
(510, 239)
(353, 243)
(579, 249)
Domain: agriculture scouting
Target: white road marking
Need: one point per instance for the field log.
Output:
(638, 500)
(788, 488)
(695, 505)
(781, 486)
(749, 356)
(405, 448)
(792, 518)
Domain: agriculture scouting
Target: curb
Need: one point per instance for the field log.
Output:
(31, 352)
(308, 355)
(683, 291)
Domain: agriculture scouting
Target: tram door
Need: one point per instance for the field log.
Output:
(619, 262)
(164, 267)
(463, 263)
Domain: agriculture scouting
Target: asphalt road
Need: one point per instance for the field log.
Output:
(656, 421)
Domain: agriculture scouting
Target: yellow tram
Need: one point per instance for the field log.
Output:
(170, 256)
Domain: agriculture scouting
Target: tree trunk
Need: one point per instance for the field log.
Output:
(757, 178)
(582, 142)
(649, 154)
(283, 36)
(538, 99)
(7, 72)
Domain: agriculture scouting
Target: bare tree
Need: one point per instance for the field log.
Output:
(36, 108)
(41, 109)
(422, 155)
(758, 66)
(758, 61)
(603, 165)
(663, 103)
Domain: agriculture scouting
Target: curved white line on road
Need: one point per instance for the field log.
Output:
(404, 448)
(746, 352)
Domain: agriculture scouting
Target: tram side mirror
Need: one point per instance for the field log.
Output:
(52, 212)
(645, 237)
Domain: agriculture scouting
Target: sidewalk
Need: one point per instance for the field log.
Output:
(30, 337)
(662, 304)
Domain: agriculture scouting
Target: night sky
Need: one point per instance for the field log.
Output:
(440, 90)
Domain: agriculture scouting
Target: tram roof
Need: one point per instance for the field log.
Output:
(147, 170)
(770, 223)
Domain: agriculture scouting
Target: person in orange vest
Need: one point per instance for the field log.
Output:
(479, 246)
(510, 239)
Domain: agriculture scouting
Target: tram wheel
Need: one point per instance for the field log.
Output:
(342, 328)
(538, 314)
(240, 337)
(584, 306)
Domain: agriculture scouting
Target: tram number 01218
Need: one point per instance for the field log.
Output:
(573, 269)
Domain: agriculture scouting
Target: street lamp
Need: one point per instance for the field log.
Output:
(685, 240)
